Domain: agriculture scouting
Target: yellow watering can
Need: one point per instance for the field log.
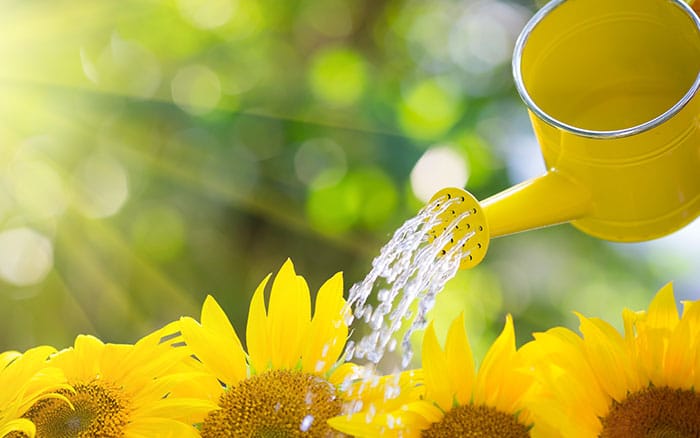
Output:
(611, 87)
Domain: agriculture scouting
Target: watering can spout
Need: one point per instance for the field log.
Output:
(550, 199)
(546, 200)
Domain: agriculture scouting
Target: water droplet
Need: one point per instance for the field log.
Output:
(306, 423)
(371, 412)
(392, 391)
(349, 351)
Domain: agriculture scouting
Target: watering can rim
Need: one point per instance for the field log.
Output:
(618, 133)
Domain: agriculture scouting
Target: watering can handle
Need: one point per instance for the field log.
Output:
(545, 200)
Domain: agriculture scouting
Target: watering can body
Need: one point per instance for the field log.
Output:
(612, 92)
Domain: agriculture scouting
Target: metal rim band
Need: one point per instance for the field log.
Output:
(529, 102)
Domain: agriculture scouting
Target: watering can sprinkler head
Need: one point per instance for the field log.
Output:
(546, 200)
(615, 107)
(460, 214)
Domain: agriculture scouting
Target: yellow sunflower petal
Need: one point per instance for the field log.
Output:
(23, 367)
(629, 320)
(428, 413)
(223, 356)
(167, 334)
(257, 331)
(460, 361)
(512, 390)
(407, 422)
(25, 379)
(135, 362)
(563, 427)
(496, 363)
(683, 344)
(559, 359)
(7, 357)
(17, 425)
(653, 331)
(663, 313)
(214, 318)
(696, 380)
(329, 331)
(438, 387)
(203, 389)
(691, 313)
(383, 393)
(344, 373)
(195, 384)
(364, 425)
(117, 360)
(609, 357)
(161, 427)
(354, 425)
(79, 362)
(177, 408)
(289, 316)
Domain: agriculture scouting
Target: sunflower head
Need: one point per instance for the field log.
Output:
(290, 378)
(122, 389)
(640, 383)
(452, 398)
(26, 379)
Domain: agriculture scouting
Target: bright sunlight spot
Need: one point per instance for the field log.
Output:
(26, 256)
(196, 89)
(102, 186)
(209, 14)
(439, 167)
(320, 162)
(338, 76)
(429, 109)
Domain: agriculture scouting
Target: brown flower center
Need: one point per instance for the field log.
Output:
(276, 403)
(477, 421)
(98, 411)
(654, 413)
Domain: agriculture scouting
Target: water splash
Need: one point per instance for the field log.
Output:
(306, 423)
(413, 266)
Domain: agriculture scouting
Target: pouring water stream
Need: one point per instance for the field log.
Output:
(412, 267)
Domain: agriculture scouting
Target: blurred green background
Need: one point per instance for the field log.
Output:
(153, 152)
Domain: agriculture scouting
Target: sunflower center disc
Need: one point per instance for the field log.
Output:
(477, 421)
(99, 411)
(276, 403)
(654, 413)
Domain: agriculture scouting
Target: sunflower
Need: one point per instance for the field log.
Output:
(124, 390)
(638, 384)
(289, 382)
(25, 379)
(455, 400)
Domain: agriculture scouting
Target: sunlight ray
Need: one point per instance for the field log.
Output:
(267, 205)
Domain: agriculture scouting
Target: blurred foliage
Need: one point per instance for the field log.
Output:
(152, 152)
